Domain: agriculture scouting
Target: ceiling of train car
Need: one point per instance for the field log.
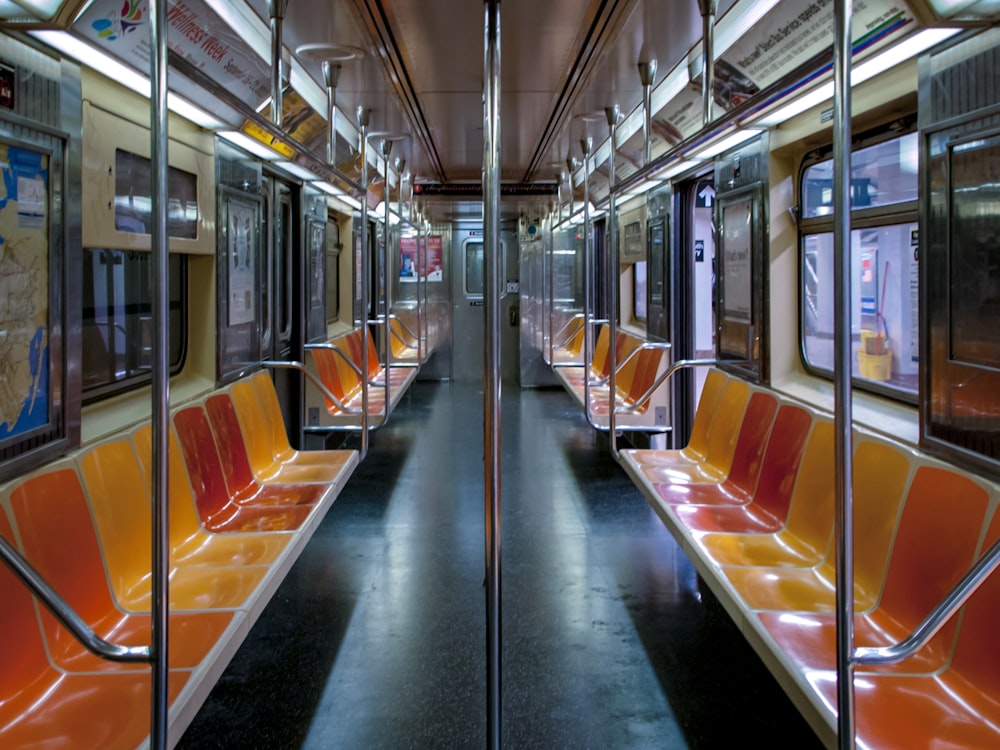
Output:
(423, 72)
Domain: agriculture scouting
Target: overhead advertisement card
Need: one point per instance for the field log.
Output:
(788, 36)
(194, 31)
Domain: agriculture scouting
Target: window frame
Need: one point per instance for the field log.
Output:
(99, 392)
(893, 214)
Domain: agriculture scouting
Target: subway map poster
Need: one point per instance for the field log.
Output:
(24, 291)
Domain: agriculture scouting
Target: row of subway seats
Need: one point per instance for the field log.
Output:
(641, 394)
(243, 504)
(750, 500)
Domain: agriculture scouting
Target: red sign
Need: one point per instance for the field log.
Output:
(418, 259)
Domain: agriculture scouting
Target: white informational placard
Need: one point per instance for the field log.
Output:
(737, 273)
(240, 262)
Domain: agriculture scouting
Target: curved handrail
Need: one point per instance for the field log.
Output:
(343, 355)
(563, 331)
(280, 364)
(938, 617)
(66, 614)
(393, 316)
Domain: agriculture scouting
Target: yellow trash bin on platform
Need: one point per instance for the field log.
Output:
(874, 356)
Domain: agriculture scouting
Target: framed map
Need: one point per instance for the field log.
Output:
(24, 291)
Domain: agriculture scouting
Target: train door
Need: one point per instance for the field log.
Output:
(695, 309)
(468, 318)
(279, 290)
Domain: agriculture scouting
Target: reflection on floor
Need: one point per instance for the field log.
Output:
(377, 637)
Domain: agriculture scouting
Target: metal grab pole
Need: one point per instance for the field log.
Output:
(160, 376)
(388, 279)
(647, 74)
(588, 268)
(276, 11)
(843, 417)
(613, 113)
(331, 77)
(363, 115)
(708, 9)
(491, 370)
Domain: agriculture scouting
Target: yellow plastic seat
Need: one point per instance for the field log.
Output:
(119, 499)
(674, 466)
(694, 451)
(271, 457)
(881, 472)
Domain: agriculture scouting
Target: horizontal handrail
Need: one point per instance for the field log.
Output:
(648, 393)
(66, 614)
(406, 328)
(645, 345)
(938, 617)
(342, 354)
(563, 332)
(280, 364)
(675, 367)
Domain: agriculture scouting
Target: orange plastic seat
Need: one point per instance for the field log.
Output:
(805, 538)
(880, 475)
(674, 466)
(286, 464)
(42, 706)
(934, 546)
(240, 482)
(58, 539)
(710, 507)
(190, 544)
(958, 707)
(119, 499)
(216, 508)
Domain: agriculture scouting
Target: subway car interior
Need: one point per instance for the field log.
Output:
(560, 374)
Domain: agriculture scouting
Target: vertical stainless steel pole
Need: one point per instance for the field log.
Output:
(389, 276)
(613, 114)
(491, 371)
(331, 77)
(160, 376)
(647, 74)
(586, 144)
(708, 9)
(571, 165)
(843, 413)
(363, 115)
(276, 11)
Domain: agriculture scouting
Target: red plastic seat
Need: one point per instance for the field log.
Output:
(190, 544)
(710, 507)
(217, 509)
(240, 482)
(45, 707)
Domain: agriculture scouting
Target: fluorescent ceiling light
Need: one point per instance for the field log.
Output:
(346, 199)
(245, 23)
(252, 145)
(909, 47)
(108, 66)
(28, 10)
(737, 21)
(328, 187)
(899, 53)
(296, 171)
(676, 168)
(642, 188)
(724, 144)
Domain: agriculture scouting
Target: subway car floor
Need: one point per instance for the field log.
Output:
(376, 639)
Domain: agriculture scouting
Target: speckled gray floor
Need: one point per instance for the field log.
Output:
(376, 637)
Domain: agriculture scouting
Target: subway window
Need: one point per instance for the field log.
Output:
(333, 247)
(639, 299)
(884, 267)
(117, 324)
